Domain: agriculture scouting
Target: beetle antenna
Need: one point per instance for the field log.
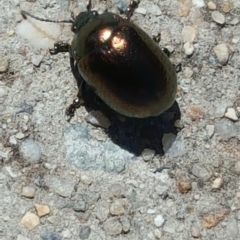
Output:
(89, 6)
(25, 14)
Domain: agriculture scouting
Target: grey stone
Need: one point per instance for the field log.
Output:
(59, 185)
(36, 60)
(112, 226)
(80, 206)
(167, 141)
(218, 17)
(28, 191)
(84, 233)
(226, 129)
(125, 223)
(201, 171)
(51, 236)
(97, 118)
(177, 148)
(232, 228)
(31, 150)
(117, 207)
(169, 227)
(148, 154)
(86, 153)
(102, 210)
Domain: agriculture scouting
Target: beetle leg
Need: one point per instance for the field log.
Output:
(157, 38)
(59, 47)
(132, 6)
(178, 67)
(70, 110)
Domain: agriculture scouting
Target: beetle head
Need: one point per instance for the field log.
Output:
(83, 18)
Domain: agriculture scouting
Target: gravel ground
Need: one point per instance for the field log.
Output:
(175, 176)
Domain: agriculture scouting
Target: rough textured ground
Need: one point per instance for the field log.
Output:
(95, 181)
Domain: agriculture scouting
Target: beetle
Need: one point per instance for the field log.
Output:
(122, 64)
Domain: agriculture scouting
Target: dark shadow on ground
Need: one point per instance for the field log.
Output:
(133, 134)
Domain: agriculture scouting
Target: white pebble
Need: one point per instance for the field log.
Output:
(222, 53)
(20, 135)
(188, 48)
(159, 220)
(217, 183)
(231, 114)
(198, 3)
(142, 11)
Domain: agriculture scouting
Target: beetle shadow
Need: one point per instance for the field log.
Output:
(134, 134)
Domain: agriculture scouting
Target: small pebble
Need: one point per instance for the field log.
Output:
(217, 183)
(188, 48)
(159, 220)
(188, 34)
(195, 112)
(212, 6)
(13, 140)
(210, 130)
(218, 17)
(112, 226)
(226, 129)
(30, 220)
(195, 232)
(28, 192)
(20, 135)
(54, 220)
(84, 233)
(237, 167)
(167, 141)
(140, 10)
(31, 150)
(183, 11)
(51, 236)
(3, 64)
(158, 233)
(96, 118)
(86, 179)
(102, 210)
(148, 154)
(226, 6)
(184, 186)
(21, 237)
(222, 53)
(36, 60)
(42, 210)
(125, 224)
(231, 114)
(117, 207)
(201, 171)
(80, 206)
(59, 185)
(188, 72)
(66, 234)
(198, 3)
(3, 92)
